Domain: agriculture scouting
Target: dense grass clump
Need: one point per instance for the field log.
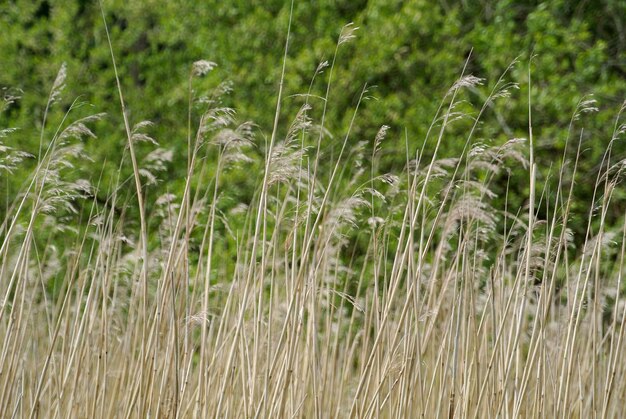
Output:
(336, 290)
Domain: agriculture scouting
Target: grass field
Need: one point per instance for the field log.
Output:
(337, 291)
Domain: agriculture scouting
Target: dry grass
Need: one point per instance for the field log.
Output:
(456, 308)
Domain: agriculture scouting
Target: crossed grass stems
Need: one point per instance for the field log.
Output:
(455, 307)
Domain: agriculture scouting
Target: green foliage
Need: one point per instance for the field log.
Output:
(408, 53)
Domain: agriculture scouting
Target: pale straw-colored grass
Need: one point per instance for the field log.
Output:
(456, 304)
